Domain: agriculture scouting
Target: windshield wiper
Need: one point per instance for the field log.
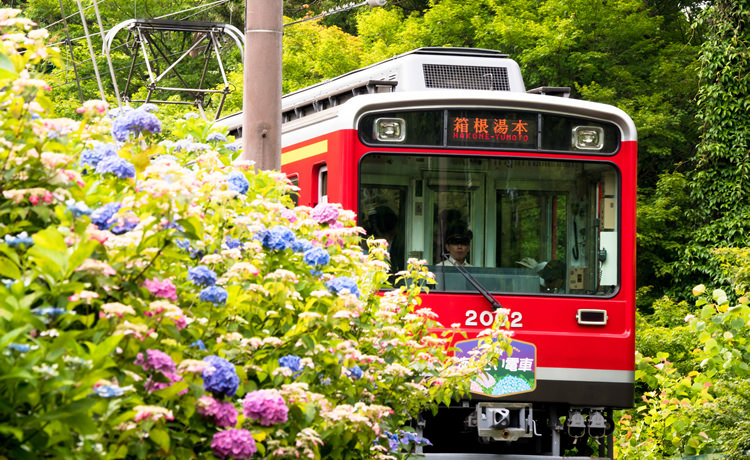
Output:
(478, 286)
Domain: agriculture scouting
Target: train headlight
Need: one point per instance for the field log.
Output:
(390, 129)
(588, 138)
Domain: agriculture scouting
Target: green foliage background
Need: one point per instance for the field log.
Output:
(680, 69)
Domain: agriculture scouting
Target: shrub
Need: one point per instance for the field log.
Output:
(160, 301)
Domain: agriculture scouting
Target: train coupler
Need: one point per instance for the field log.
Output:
(504, 422)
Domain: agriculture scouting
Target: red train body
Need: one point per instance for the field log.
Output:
(441, 142)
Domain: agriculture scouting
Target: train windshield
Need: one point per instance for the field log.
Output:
(527, 226)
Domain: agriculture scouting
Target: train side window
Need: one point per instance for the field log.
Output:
(323, 184)
(294, 179)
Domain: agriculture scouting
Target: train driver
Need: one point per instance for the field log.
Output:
(457, 246)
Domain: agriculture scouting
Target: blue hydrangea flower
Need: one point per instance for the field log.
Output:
(149, 107)
(202, 275)
(233, 243)
(124, 226)
(184, 244)
(165, 157)
(301, 245)
(199, 344)
(343, 283)
(220, 376)
(214, 294)
(92, 157)
(238, 182)
(19, 239)
(111, 391)
(103, 217)
(216, 137)
(78, 208)
(19, 347)
(191, 116)
(291, 361)
(278, 238)
(49, 311)
(233, 146)
(120, 167)
(133, 123)
(355, 372)
(316, 257)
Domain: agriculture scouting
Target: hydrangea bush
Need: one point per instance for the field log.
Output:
(161, 301)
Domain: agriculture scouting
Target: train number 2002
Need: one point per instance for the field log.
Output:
(486, 318)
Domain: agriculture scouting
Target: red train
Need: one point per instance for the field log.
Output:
(525, 199)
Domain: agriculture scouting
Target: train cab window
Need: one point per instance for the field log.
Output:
(545, 227)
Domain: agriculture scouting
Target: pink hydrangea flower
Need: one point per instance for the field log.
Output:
(325, 213)
(223, 413)
(165, 289)
(158, 361)
(266, 406)
(233, 443)
(152, 412)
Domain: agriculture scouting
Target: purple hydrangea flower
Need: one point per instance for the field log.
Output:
(342, 283)
(325, 213)
(238, 182)
(291, 361)
(238, 444)
(278, 238)
(316, 257)
(214, 294)
(202, 275)
(216, 137)
(103, 217)
(220, 376)
(120, 167)
(133, 123)
(266, 406)
(92, 157)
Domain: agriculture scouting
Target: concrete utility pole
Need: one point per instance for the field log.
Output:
(261, 126)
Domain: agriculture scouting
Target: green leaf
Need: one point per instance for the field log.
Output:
(51, 239)
(81, 253)
(80, 406)
(172, 391)
(11, 336)
(7, 69)
(15, 431)
(8, 269)
(160, 437)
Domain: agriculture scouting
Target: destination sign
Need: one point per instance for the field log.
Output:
(492, 129)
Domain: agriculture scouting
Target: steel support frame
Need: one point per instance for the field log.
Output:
(143, 43)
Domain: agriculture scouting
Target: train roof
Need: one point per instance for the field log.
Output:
(422, 69)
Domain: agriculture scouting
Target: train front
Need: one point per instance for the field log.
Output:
(527, 203)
